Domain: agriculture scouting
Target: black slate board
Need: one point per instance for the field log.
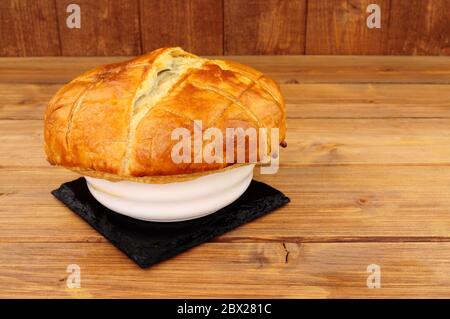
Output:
(150, 242)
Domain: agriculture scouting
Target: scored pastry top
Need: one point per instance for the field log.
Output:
(117, 119)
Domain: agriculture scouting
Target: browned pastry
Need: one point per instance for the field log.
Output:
(116, 121)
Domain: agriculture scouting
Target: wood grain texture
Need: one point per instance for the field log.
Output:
(270, 270)
(303, 101)
(366, 168)
(311, 142)
(125, 27)
(367, 141)
(419, 27)
(108, 27)
(25, 101)
(365, 203)
(283, 69)
(48, 69)
(195, 25)
(339, 27)
(367, 100)
(28, 28)
(264, 27)
(407, 28)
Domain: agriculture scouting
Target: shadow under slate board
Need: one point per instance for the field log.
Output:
(148, 243)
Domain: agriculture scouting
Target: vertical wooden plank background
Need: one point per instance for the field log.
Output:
(419, 27)
(408, 27)
(264, 27)
(108, 27)
(28, 28)
(214, 27)
(195, 25)
(339, 27)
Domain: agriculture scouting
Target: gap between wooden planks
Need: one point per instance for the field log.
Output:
(239, 270)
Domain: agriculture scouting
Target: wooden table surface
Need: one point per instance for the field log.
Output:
(367, 171)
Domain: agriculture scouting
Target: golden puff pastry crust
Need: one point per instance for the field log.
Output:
(115, 121)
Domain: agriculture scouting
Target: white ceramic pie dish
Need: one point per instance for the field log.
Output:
(173, 201)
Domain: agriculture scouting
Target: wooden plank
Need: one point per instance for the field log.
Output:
(308, 100)
(195, 25)
(339, 27)
(27, 134)
(269, 270)
(363, 203)
(419, 27)
(351, 69)
(264, 27)
(367, 141)
(377, 100)
(310, 142)
(25, 101)
(28, 27)
(49, 70)
(284, 69)
(107, 28)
